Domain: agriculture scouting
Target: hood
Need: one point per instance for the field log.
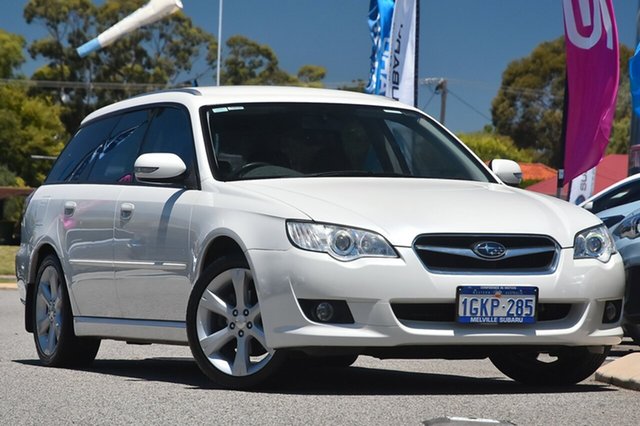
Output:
(401, 209)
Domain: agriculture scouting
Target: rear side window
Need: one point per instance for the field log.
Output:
(76, 156)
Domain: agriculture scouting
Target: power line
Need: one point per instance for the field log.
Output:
(469, 105)
(52, 84)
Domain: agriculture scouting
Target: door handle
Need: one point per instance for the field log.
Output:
(69, 208)
(126, 211)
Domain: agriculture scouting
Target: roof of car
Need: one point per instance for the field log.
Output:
(199, 96)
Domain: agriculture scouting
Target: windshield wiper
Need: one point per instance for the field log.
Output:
(356, 173)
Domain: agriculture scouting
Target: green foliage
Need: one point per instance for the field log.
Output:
(311, 75)
(355, 86)
(11, 207)
(489, 146)
(7, 260)
(251, 63)
(28, 126)
(159, 54)
(10, 53)
(529, 103)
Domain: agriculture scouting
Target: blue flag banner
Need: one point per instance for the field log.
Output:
(392, 24)
(634, 76)
(380, 21)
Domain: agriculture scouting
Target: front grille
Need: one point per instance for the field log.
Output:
(454, 253)
(446, 312)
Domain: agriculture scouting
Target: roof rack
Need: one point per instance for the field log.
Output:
(190, 90)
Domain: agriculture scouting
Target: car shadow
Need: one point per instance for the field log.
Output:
(331, 381)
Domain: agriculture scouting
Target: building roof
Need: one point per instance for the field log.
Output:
(12, 191)
(611, 169)
(537, 171)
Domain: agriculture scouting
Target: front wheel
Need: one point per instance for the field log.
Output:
(565, 366)
(225, 329)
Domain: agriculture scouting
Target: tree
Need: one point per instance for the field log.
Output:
(28, 125)
(249, 62)
(489, 146)
(11, 46)
(154, 56)
(529, 103)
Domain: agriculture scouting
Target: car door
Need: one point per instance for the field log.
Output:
(84, 215)
(152, 229)
(89, 211)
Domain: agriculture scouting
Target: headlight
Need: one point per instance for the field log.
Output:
(593, 243)
(338, 241)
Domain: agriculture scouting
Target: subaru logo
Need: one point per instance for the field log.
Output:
(489, 250)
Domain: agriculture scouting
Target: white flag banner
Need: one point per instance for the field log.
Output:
(401, 71)
(582, 186)
(153, 11)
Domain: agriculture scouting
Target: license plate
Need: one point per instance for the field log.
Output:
(496, 305)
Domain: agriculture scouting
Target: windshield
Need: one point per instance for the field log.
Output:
(261, 141)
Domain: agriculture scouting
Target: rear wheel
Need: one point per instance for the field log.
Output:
(225, 329)
(566, 366)
(56, 343)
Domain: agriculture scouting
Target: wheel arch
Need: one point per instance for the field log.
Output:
(218, 247)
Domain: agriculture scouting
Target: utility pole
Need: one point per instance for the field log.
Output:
(440, 89)
(634, 142)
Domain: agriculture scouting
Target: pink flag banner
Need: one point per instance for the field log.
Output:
(593, 72)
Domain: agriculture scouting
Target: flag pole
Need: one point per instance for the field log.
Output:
(417, 55)
(634, 142)
(563, 136)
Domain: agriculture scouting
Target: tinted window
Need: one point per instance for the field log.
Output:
(170, 132)
(75, 158)
(627, 193)
(112, 162)
(296, 140)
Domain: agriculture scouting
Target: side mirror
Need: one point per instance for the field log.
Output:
(508, 171)
(158, 167)
(630, 227)
(588, 206)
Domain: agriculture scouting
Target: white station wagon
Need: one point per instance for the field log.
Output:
(261, 224)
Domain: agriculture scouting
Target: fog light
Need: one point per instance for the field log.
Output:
(612, 311)
(324, 311)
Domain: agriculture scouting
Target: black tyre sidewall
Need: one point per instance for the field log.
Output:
(231, 382)
(633, 331)
(573, 366)
(70, 350)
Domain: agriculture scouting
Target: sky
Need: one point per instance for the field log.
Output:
(468, 42)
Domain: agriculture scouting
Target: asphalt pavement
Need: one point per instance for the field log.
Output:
(161, 384)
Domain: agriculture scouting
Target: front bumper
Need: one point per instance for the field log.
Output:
(371, 286)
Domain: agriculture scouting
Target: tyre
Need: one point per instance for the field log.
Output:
(225, 329)
(567, 366)
(633, 331)
(56, 343)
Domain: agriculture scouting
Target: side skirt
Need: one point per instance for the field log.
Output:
(134, 330)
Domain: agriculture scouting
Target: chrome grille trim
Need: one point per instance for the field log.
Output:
(539, 254)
